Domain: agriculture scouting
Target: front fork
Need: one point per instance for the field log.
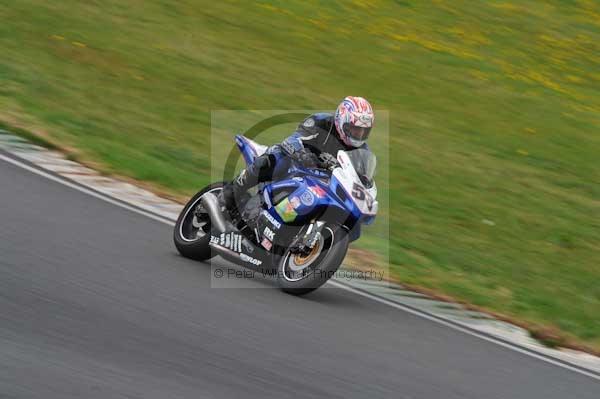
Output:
(311, 236)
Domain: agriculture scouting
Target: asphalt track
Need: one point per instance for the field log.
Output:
(96, 303)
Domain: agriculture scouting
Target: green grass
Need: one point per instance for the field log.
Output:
(494, 107)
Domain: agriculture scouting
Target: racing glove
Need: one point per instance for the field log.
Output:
(306, 157)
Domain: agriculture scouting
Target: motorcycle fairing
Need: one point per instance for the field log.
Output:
(305, 193)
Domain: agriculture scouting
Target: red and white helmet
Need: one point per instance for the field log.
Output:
(353, 120)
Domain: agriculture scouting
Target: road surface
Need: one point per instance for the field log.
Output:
(96, 303)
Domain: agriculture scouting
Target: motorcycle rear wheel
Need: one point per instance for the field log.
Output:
(192, 234)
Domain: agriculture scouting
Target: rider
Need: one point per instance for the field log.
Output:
(350, 126)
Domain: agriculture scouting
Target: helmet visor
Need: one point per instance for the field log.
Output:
(357, 132)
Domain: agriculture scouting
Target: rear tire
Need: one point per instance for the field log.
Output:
(191, 235)
(296, 279)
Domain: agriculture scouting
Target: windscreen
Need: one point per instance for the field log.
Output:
(364, 162)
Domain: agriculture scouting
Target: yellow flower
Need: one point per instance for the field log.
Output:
(508, 7)
(268, 7)
(479, 75)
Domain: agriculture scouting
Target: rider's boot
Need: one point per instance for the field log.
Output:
(259, 171)
(234, 190)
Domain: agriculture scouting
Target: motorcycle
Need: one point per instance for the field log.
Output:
(296, 228)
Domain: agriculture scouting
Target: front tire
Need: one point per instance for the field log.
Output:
(192, 233)
(299, 275)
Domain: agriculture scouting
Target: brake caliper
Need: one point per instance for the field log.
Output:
(311, 237)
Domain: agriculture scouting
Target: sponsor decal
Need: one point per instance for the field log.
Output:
(365, 119)
(269, 233)
(295, 201)
(288, 147)
(307, 198)
(286, 211)
(250, 259)
(266, 244)
(318, 191)
(309, 122)
(231, 241)
(306, 138)
(272, 220)
(235, 241)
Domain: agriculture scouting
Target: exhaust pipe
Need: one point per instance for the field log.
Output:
(239, 258)
(225, 253)
(210, 202)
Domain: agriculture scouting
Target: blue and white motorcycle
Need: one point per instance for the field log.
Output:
(297, 228)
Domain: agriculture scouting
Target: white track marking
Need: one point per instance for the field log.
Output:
(84, 190)
(439, 320)
(376, 298)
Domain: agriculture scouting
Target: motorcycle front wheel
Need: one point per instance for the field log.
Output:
(299, 274)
